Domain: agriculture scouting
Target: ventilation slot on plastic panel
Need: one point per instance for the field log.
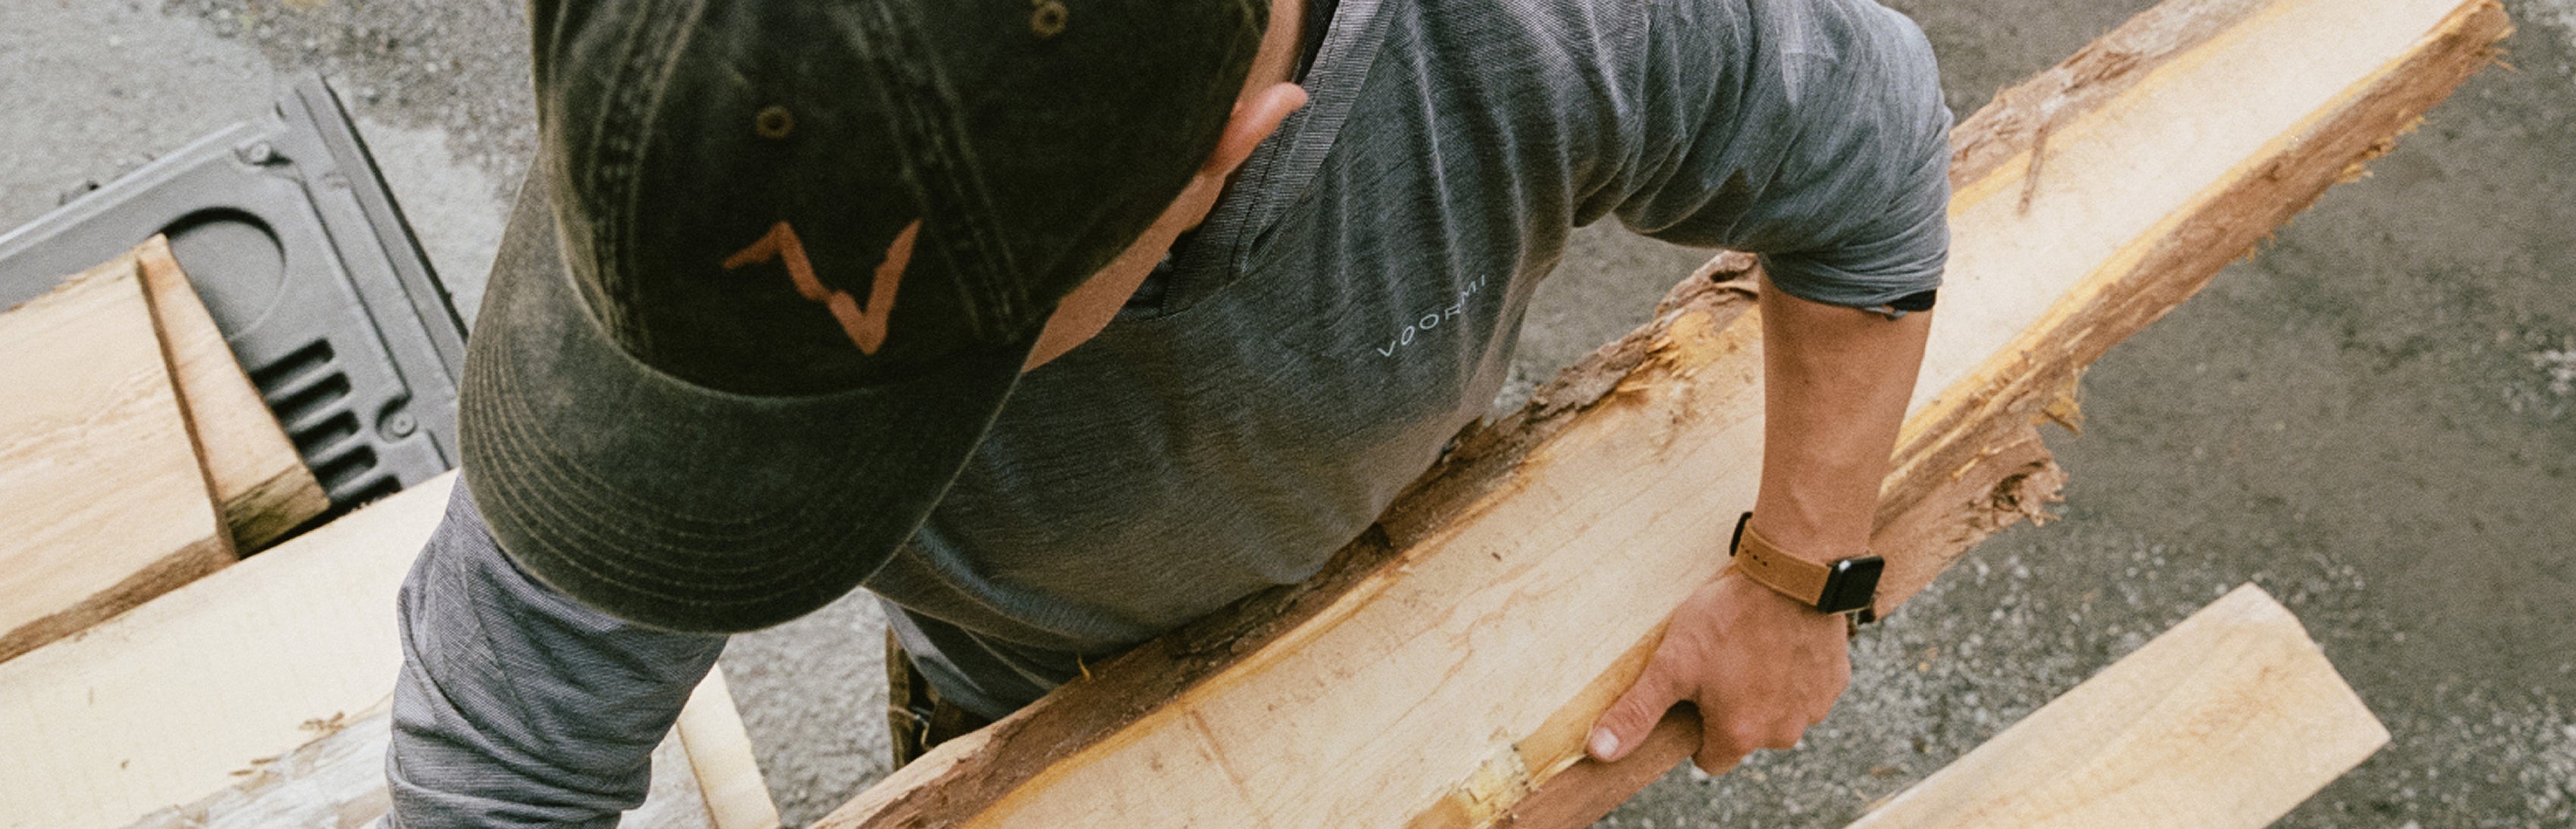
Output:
(310, 396)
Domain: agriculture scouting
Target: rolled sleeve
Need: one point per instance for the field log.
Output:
(1819, 142)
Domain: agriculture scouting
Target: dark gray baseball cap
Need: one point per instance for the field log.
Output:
(778, 263)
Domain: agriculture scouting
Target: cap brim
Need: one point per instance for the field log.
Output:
(678, 506)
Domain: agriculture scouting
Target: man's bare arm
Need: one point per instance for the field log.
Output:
(1760, 666)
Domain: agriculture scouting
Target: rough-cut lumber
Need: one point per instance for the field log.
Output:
(1447, 664)
(338, 782)
(257, 476)
(703, 778)
(2011, 162)
(2230, 719)
(102, 502)
(256, 697)
(720, 752)
(164, 704)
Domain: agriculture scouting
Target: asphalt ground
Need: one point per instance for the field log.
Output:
(2374, 417)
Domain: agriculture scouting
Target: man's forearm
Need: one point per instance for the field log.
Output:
(1835, 384)
(517, 707)
(1761, 666)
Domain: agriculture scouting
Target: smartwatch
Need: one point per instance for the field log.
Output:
(1843, 587)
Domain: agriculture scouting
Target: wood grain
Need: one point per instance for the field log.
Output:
(1441, 670)
(719, 752)
(337, 780)
(102, 502)
(2230, 719)
(257, 476)
(176, 699)
(1977, 446)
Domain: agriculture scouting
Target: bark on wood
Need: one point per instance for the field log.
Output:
(102, 501)
(1982, 443)
(2212, 123)
(256, 474)
(2230, 719)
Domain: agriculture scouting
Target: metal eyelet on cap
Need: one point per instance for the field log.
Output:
(1048, 18)
(773, 122)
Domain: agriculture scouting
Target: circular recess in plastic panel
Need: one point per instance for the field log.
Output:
(234, 259)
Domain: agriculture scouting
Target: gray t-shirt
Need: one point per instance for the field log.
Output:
(1354, 300)
(1351, 303)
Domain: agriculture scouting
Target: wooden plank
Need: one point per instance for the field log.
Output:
(2230, 719)
(1976, 445)
(703, 778)
(1446, 665)
(338, 782)
(164, 704)
(720, 753)
(102, 502)
(257, 476)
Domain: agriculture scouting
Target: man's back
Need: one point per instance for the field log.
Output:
(1354, 300)
(1349, 305)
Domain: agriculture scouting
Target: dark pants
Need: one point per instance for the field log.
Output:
(917, 720)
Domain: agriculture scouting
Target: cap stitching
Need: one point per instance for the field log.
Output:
(637, 87)
(940, 168)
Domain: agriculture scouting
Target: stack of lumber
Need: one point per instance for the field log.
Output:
(135, 455)
(152, 681)
(256, 696)
(1443, 670)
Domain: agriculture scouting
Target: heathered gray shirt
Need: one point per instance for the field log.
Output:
(1348, 306)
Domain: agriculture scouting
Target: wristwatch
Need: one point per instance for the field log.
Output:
(1848, 586)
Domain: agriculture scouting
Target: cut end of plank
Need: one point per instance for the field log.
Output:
(253, 468)
(2230, 719)
(107, 503)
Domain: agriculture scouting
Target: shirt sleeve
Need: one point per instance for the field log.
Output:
(1809, 132)
(517, 706)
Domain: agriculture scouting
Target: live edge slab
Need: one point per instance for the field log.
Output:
(1442, 671)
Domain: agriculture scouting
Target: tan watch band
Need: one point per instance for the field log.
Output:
(1845, 586)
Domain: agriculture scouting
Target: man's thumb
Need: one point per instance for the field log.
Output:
(1622, 727)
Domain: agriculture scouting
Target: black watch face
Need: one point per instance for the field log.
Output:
(1851, 585)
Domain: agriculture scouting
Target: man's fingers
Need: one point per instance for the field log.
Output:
(1624, 726)
(1719, 748)
(1726, 744)
(1717, 761)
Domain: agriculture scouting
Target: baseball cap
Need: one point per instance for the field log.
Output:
(778, 263)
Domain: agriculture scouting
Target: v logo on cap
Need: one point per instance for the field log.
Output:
(866, 326)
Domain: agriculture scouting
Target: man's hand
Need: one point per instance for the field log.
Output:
(1760, 666)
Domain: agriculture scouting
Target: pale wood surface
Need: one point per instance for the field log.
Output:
(164, 704)
(102, 502)
(257, 476)
(1979, 446)
(2230, 719)
(710, 728)
(1455, 673)
(337, 780)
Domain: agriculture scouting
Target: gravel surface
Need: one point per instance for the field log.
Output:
(2374, 419)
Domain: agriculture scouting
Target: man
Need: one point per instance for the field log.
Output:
(757, 331)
